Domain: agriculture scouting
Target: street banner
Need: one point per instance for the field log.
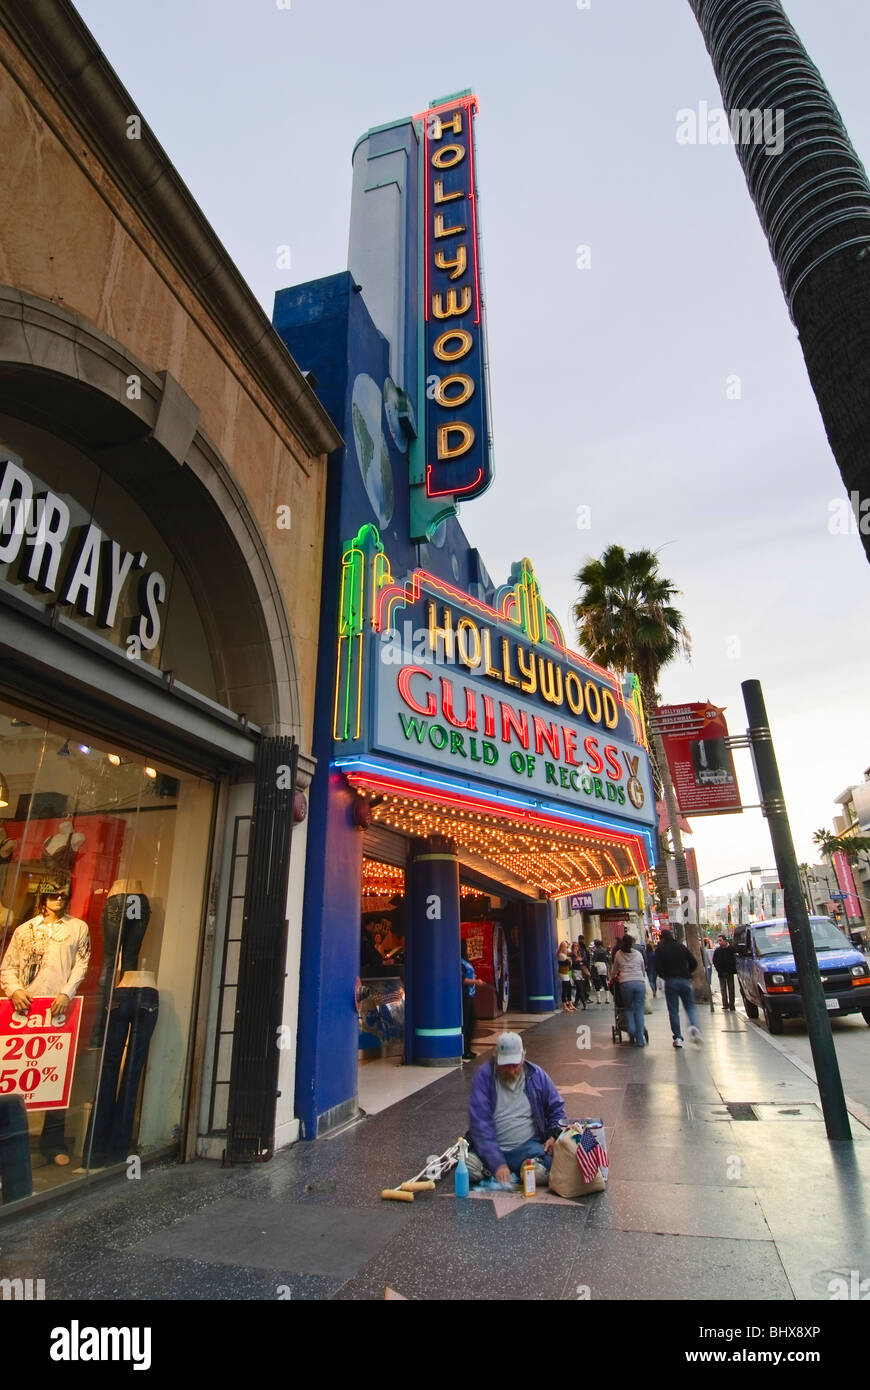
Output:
(849, 895)
(702, 768)
(38, 1052)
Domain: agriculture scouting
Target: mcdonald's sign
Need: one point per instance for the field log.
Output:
(616, 896)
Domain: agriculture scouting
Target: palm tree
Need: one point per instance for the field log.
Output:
(813, 200)
(853, 847)
(626, 622)
(850, 845)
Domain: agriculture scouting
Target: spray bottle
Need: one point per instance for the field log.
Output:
(461, 1182)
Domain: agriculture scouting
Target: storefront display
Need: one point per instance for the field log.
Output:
(99, 900)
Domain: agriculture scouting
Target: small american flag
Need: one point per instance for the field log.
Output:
(590, 1155)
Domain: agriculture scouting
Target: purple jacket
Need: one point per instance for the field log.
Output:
(548, 1110)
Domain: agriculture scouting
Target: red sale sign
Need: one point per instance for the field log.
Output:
(37, 1053)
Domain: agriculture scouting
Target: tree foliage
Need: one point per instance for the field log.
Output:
(625, 617)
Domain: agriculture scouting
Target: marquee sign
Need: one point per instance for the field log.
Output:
(452, 721)
(487, 694)
(458, 462)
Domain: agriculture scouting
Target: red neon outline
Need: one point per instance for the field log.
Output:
(450, 491)
(426, 247)
(473, 195)
(470, 100)
(618, 838)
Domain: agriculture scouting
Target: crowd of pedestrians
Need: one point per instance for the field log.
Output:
(635, 973)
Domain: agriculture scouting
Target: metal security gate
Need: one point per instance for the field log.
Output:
(260, 995)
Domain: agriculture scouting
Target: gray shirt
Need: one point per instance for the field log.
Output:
(513, 1114)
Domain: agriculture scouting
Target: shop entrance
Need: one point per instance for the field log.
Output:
(490, 941)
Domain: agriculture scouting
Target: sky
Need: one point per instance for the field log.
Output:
(648, 388)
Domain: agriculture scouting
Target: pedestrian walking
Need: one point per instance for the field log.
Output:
(600, 969)
(675, 964)
(629, 974)
(725, 965)
(707, 959)
(580, 971)
(649, 956)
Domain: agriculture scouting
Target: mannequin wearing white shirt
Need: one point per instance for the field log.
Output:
(47, 957)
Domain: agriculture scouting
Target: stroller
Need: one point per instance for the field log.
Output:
(620, 1021)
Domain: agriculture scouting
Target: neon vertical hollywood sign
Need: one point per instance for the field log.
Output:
(457, 441)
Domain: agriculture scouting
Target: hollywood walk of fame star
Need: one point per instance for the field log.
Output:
(582, 1088)
(505, 1203)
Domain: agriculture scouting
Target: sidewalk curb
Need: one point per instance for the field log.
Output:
(858, 1111)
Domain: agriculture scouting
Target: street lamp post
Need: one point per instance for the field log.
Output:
(810, 981)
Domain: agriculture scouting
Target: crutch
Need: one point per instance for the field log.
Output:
(425, 1180)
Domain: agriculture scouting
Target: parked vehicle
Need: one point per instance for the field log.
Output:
(767, 973)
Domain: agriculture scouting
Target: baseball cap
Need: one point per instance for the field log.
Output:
(509, 1050)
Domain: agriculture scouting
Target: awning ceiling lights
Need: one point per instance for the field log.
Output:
(555, 860)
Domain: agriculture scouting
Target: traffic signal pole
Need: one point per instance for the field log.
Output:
(809, 980)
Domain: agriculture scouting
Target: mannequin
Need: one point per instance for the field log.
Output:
(48, 956)
(126, 915)
(132, 1020)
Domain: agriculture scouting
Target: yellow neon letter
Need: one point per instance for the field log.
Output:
(455, 306)
(466, 434)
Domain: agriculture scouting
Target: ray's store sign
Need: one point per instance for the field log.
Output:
(78, 565)
(458, 462)
(486, 705)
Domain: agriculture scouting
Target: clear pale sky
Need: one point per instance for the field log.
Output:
(610, 383)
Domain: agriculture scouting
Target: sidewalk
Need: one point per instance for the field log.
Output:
(722, 1186)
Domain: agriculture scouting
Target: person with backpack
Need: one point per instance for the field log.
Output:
(675, 964)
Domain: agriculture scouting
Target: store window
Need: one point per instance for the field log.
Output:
(103, 863)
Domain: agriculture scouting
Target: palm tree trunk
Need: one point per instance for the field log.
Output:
(813, 200)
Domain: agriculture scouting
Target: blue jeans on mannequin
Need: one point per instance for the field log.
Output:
(676, 990)
(132, 1012)
(633, 997)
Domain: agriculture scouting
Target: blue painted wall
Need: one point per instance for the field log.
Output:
(327, 328)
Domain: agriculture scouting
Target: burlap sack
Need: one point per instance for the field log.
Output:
(566, 1180)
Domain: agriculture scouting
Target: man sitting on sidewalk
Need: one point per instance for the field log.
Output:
(675, 964)
(514, 1113)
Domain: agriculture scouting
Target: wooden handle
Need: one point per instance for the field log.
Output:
(427, 1186)
(392, 1194)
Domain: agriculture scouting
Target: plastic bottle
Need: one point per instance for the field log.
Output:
(461, 1181)
(528, 1176)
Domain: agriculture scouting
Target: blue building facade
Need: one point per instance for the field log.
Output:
(471, 768)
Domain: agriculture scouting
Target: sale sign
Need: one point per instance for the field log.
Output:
(37, 1053)
(702, 768)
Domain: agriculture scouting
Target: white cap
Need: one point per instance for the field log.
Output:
(509, 1050)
